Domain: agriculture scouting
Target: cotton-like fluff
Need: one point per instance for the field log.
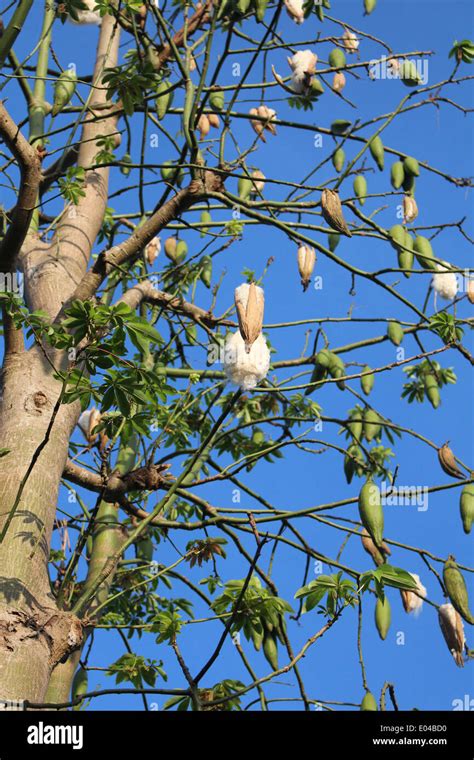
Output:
(303, 66)
(411, 601)
(350, 41)
(88, 16)
(246, 369)
(452, 629)
(445, 283)
(294, 8)
(87, 422)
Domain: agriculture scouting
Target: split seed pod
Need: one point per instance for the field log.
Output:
(350, 41)
(413, 602)
(452, 629)
(332, 211)
(269, 114)
(410, 209)
(306, 262)
(448, 462)
(213, 120)
(470, 291)
(87, 422)
(258, 183)
(204, 126)
(152, 250)
(294, 8)
(339, 81)
(249, 304)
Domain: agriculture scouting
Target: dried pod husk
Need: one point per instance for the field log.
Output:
(206, 218)
(339, 159)
(383, 617)
(452, 629)
(456, 589)
(466, 506)
(339, 81)
(213, 120)
(206, 271)
(217, 100)
(337, 58)
(372, 425)
(64, 89)
(378, 151)
(431, 389)
(410, 209)
(411, 166)
(332, 212)
(448, 462)
(369, 703)
(413, 602)
(170, 248)
(406, 256)
(269, 114)
(249, 304)
(371, 512)
(397, 175)
(395, 333)
(204, 126)
(152, 250)
(306, 262)
(424, 253)
(378, 555)
(360, 188)
(164, 98)
(350, 41)
(367, 381)
(257, 126)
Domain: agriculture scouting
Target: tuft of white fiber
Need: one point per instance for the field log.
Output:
(294, 8)
(88, 16)
(246, 369)
(413, 602)
(445, 283)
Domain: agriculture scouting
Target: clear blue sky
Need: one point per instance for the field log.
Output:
(422, 670)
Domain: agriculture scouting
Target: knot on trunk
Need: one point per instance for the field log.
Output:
(62, 632)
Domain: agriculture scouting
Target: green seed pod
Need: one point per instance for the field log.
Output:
(409, 74)
(338, 159)
(167, 170)
(216, 100)
(257, 639)
(164, 99)
(409, 184)
(323, 358)
(383, 617)
(206, 271)
(340, 126)
(337, 58)
(352, 462)
(360, 188)
(270, 649)
(369, 703)
(432, 389)
(356, 426)
(369, 6)
(456, 589)
(397, 236)
(424, 253)
(258, 436)
(372, 426)
(125, 169)
(316, 88)
(397, 175)
(205, 219)
(245, 187)
(337, 369)
(181, 251)
(318, 373)
(395, 333)
(371, 512)
(260, 8)
(411, 166)
(79, 686)
(243, 5)
(378, 152)
(406, 257)
(466, 506)
(144, 549)
(334, 239)
(64, 89)
(367, 381)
